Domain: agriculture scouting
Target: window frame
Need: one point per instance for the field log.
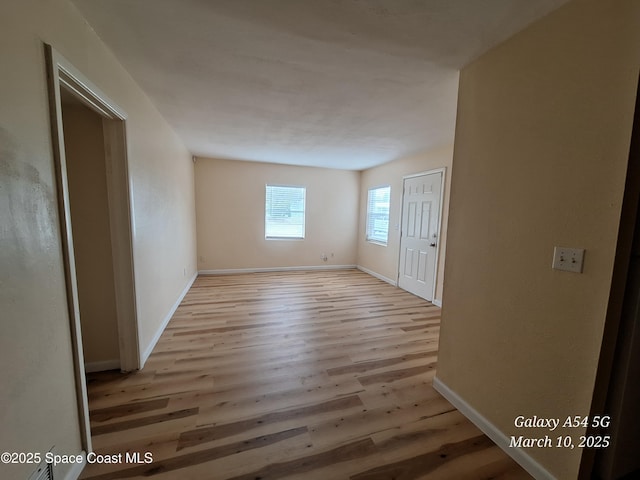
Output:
(267, 217)
(369, 236)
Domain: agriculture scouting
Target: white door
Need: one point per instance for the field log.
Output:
(419, 235)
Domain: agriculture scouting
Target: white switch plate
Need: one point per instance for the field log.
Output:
(568, 259)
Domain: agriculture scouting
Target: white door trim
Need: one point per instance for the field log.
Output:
(61, 74)
(442, 170)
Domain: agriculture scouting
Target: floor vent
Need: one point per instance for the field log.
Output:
(44, 472)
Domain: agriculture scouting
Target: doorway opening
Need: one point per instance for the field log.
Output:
(93, 190)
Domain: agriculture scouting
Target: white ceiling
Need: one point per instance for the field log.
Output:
(335, 83)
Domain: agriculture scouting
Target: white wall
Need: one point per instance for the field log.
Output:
(230, 205)
(37, 393)
(383, 260)
(540, 158)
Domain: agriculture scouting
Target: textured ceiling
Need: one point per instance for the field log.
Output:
(335, 83)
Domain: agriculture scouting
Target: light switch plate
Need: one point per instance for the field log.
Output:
(568, 259)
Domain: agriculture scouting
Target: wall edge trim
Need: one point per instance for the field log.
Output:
(102, 365)
(76, 469)
(163, 325)
(377, 275)
(490, 430)
(232, 271)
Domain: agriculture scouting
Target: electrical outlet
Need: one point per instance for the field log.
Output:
(568, 259)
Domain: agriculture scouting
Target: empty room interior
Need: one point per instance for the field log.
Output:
(357, 239)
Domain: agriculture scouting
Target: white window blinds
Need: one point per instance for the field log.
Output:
(284, 212)
(378, 214)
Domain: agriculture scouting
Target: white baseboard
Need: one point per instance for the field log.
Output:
(232, 271)
(163, 325)
(76, 468)
(437, 303)
(377, 275)
(102, 366)
(491, 431)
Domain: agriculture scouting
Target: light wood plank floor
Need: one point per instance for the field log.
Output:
(314, 375)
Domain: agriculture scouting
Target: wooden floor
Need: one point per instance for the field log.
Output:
(314, 375)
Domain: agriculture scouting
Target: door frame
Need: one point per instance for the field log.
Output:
(607, 390)
(62, 74)
(442, 170)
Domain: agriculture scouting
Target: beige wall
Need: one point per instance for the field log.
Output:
(35, 339)
(541, 149)
(87, 176)
(384, 260)
(230, 198)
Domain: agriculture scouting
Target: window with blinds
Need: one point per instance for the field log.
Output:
(378, 214)
(284, 212)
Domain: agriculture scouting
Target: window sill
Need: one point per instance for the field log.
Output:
(382, 244)
(297, 239)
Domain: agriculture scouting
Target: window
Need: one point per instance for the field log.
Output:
(284, 212)
(378, 215)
